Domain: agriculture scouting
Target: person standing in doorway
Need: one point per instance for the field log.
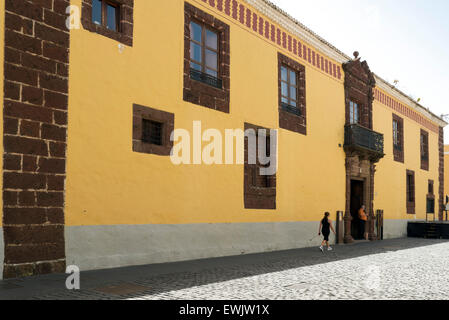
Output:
(363, 218)
(325, 228)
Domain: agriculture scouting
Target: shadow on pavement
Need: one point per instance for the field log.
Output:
(134, 282)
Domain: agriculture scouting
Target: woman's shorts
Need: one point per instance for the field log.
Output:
(326, 236)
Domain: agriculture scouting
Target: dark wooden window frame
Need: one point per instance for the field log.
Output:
(104, 14)
(168, 123)
(288, 106)
(125, 20)
(424, 149)
(288, 118)
(257, 197)
(200, 89)
(410, 192)
(398, 149)
(204, 47)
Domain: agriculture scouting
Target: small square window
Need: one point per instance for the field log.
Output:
(152, 132)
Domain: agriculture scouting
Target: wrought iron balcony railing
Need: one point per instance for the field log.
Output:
(364, 140)
(205, 78)
(291, 109)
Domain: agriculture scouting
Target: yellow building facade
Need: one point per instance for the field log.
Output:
(109, 195)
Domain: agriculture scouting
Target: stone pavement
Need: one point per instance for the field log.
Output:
(391, 269)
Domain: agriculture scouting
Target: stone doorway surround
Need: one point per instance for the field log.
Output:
(363, 146)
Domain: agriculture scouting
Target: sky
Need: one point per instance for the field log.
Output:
(405, 40)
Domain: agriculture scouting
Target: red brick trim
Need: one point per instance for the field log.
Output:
(35, 130)
(411, 205)
(289, 42)
(125, 34)
(257, 197)
(399, 153)
(199, 93)
(288, 120)
(441, 174)
(404, 110)
(168, 125)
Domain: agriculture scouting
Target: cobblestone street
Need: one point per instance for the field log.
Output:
(392, 269)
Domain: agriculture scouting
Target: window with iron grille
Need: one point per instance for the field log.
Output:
(424, 150)
(259, 189)
(398, 138)
(430, 198)
(410, 192)
(430, 205)
(152, 132)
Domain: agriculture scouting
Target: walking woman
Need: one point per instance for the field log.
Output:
(325, 229)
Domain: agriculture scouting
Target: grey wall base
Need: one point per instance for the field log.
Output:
(2, 253)
(395, 229)
(102, 247)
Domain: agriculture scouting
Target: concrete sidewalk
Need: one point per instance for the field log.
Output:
(135, 282)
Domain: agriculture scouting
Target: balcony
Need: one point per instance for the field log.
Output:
(205, 78)
(365, 142)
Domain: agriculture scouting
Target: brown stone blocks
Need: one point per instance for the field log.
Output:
(35, 132)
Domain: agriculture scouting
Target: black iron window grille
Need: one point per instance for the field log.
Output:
(206, 78)
(152, 132)
(430, 205)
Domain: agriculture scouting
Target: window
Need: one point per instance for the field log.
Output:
(259, 189)
(110, 18)
(206, 60)
(354, 112)
(430, 205)
(292, 95)
(106, 13)
(151, 130)
(204, 51)
(396, 134)
(289, 89)
(424, 150)
(258, 180)
(410, 192)
(430, 198)
(398, 140)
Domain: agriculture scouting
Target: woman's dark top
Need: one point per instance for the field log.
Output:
(326, 226)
